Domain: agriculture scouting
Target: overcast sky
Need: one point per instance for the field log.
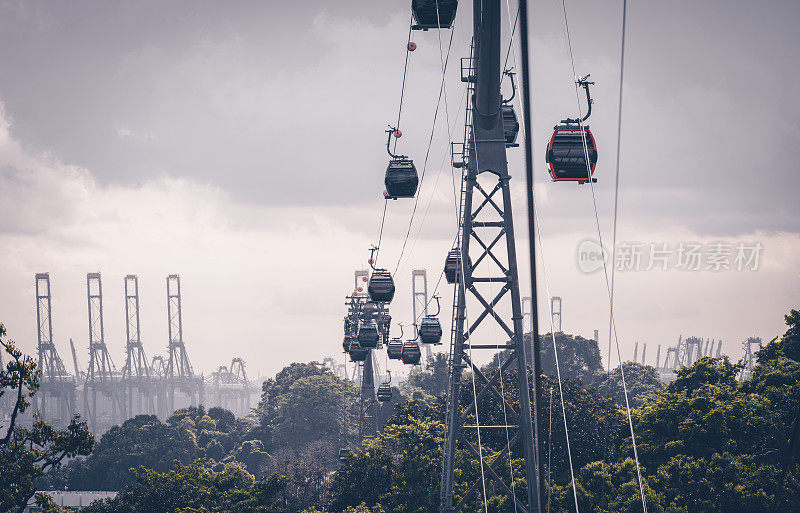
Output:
(240, 144)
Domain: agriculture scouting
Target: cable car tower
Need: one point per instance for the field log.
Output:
(364, 313)
(487, 243)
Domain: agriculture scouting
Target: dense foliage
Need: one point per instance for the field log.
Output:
(26, 453)
(430, 379)
(707, 442)
(195, 488)
(145, 441)
(302, 404)
(578, 357)
(642, 383)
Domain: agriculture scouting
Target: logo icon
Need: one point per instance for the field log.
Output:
(590, 256)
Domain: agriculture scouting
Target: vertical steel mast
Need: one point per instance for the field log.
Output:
(178, 373)
(101, 374)
(487, 221)
(55, 382)
(366, 422)
(136, 372)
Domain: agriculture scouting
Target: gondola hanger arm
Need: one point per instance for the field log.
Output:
(585, 83)
(510, 75)
(397, 134)
(371, 260)
(438, 305)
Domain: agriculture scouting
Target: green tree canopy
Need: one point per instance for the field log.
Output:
(194, 488)
(313, 408)
(27, 453)
(789, 344)
(578, 357)
(431, 380)
(642, 382)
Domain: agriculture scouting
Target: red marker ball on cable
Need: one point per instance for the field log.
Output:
(398, 134)
(412, 46)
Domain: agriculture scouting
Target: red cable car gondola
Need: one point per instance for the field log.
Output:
(571, 144)
(566, 154)
(411, 353)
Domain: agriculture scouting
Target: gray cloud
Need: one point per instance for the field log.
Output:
(243, 147)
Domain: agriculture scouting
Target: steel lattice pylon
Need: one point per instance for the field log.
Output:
(364, 371)
(367, 428)
(486, 219)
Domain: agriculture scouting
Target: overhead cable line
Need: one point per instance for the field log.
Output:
(534, 232)
(609, 282)
(427, 151)
(435, 183)
(380, 232)
(405, 74)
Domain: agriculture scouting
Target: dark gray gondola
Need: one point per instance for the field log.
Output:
(411, 353)
(368, 335)
(452, 265)
(384, 392)
(566, 154)
(401, 178)
(357, 353)
(510, 125)
(394, 348)
(430, 331)
(369, 310)
(430, 14)
(348, 339)
(571, 144)
(381, 286)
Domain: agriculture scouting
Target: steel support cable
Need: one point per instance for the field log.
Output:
(555, 355)
(503, 402)
(435, 183)
(399, 114)
(380, 232)
(499, 365)
(511, 38)
(450, 144)
(610, 282)
(462, 284)
(535, 222)
(427, 151)
(549, 449)
(403, 85)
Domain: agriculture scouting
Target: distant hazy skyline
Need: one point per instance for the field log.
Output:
(241, 145)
